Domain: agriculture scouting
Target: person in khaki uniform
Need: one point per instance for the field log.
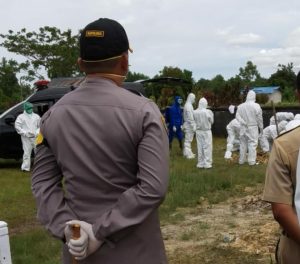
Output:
(110, 148)
(279, 190)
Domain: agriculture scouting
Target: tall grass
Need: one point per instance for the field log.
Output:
(31, 244)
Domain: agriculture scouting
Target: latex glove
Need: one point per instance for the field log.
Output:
(181, 127)
(87, 244)
(82, 243)
(174, 129)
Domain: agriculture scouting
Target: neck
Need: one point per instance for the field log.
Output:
(117, 78)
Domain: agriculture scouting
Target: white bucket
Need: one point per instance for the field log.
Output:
(5, 257)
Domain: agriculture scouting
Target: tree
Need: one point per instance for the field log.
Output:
(135, 76)
(249, 74)
(176, 73)
(11, 91)
(49, 49)
(285, 77)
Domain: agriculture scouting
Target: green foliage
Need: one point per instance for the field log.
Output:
(165, 92)
(49, 49)
(135, 76)
(284, 77)
(176, 73)
(288, 95)
(11, 91)
(249, 74)
(262, 99)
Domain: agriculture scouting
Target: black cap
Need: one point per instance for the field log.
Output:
(103, 39)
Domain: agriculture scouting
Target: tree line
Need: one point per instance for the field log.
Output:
(51, 53)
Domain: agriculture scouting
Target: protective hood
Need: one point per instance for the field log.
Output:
(191, 98)
(28, 107)
(202, 103)
(251, 96)
(297, 117)
(290, 116)
(282, 125)
(178, 100)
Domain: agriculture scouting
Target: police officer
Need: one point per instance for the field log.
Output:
(110, 147)
(281, 188)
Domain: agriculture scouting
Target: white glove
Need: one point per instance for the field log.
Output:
(181, 127)
(174, 129)
(86, 245)
(194, 127)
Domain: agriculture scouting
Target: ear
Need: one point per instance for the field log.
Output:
(125, 63)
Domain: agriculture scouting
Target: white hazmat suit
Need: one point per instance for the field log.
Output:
(288, 116)
(189, 126)
(27, 125)
(204, 119)
(249, 115)
(233, 138)
(269, 134)
(293, 123)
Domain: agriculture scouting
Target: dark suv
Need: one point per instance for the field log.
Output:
(42, 100)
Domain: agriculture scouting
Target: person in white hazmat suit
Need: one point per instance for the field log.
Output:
(293, 123)
(233, 141)
(204, 119)
(269, 134)
(27, 126)
(288, 116)
(249, 115)
(189, 126)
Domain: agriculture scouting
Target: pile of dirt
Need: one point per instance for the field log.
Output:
(261, 157)
(244, 224)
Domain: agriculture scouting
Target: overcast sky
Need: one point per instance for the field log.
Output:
(207, 37)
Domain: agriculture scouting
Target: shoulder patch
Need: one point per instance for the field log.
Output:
(39, 139)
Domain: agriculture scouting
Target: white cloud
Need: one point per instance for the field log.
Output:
(180, 33)
(234, 39)
(245, 39)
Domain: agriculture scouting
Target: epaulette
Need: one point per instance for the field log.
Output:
(288, 131)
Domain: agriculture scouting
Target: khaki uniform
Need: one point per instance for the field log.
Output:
(280, 185)
(111, 149)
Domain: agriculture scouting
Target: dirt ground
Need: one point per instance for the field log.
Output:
(239, 230)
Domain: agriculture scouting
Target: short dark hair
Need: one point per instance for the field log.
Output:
(298, 81)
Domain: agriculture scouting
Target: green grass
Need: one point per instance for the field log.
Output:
(223, 180)
(31, 244)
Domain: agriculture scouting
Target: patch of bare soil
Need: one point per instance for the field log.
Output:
(244, 225)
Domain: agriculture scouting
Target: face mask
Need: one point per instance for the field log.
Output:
(29, 111)
(179, 101)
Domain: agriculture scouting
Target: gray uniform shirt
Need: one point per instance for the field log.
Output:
(111, 149)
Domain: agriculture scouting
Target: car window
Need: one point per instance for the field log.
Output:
(42, 107)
